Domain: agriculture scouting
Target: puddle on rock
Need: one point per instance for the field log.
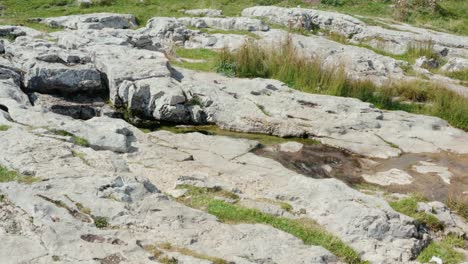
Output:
(431, 184)
(321, 161)
(318, 161)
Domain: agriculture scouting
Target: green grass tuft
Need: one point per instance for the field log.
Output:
(7, 175)
(205, 59)
(409, 206)
(4, 127)
(460, 75)
(305, 229)
(308, 74)
(76, 140)
(100, 222)
(444, 250)
(458, 204)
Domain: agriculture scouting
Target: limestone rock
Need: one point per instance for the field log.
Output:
(92, 21)
(204, 12)
(451, 221)
(307, 19)
(50, 78)
(393, 176)
(229, 23)
(455, 64)
(342, 122)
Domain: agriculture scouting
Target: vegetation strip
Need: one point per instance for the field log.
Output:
(305, 229)
(157, 252)
(409, 206)
(444, 250)
(448, 15)
(307, 74)
(7, 175)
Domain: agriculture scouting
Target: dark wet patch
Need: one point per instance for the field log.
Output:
(318, 161)
(430, 185)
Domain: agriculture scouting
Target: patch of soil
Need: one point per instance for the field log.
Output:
(320, 161)
(429, 184)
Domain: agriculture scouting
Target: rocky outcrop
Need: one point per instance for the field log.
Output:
(204, 12)
(49, 68)
(91, 21)
(393, 38)
(307, 19)
(229, 23)
(102, 185)
(270, 107)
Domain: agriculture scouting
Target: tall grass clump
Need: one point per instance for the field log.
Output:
(310, 74)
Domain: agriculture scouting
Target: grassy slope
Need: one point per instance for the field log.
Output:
(18, 11)
(454, 18)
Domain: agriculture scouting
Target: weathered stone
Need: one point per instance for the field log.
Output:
(51, 78)
(428, 167)
(455, 64)
(229, 23)
(342, 122)
(307, 19)
(393, 176)
(92, 21)
(204, 12)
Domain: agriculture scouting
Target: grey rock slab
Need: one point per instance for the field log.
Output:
(102, 133)
(138, 214)
(204, 12)
(18, 31)
(10, 81)
(234, 104)
(79, 39)
(46, 77)
(455, 64)
(307, 18)
(395, 40)
(49, 68)
(228, 23)
(366, 223)
(123, 65)
(92, 21)
(216, 41)
(398, 41)
(392, 176)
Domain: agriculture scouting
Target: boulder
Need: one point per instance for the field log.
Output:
(122, 66)
(10, 81)
(55, 77)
